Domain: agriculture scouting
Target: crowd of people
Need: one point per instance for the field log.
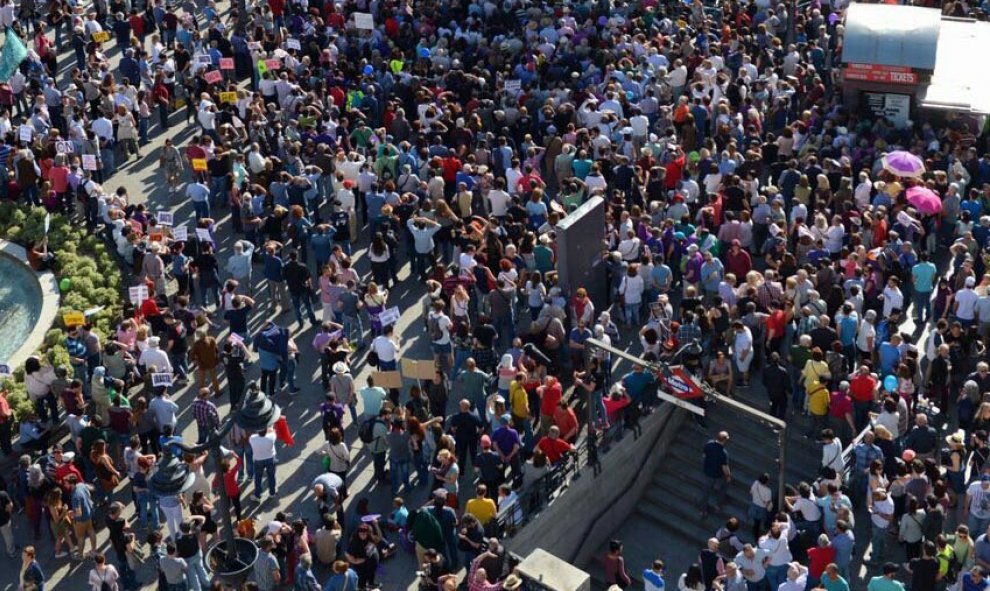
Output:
(747, 210)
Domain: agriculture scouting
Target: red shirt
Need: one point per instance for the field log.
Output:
(566, 421)
(839, 405)
(554, 449)
(60, 179)
(551, 398)
(277, 6)
(862, 388)
(818, 559)
(230, 485)
(137, 25)
(775, 323)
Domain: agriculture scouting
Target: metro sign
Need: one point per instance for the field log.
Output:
(881, 74)
(681, 383)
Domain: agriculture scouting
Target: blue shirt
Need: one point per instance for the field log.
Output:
(924, 276)
(273, 267)
(422, 237)
(715, 458)
(636, 383)
(889, 356)
(82, 503)
(843, 544)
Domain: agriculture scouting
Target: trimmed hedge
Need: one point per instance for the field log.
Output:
(94, 280)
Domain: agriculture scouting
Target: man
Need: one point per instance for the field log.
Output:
(864, 453)
(489, 466)
(300, 285)
(266, 570)
(752, 563)
(550, 393)
(272, 346)
(886, 581)
(481, 506)
(923, 275)
(466, 428)
(372, 399)
(863, 389)
(422, 230)
(553, 447)
(832, 580)
(387, 349)
(164, 410)
(716, 472)
(924, 569)
(653, 577)
(378, 446)
(32, 576)
(206, 414)
(199, 194)
(439, 325)
(974, 580)
(508, 445)
(82, 512)
(263, 453)
(173, 567)
(976, 507)
(777, 382)
(922, 438)
(187, 547)
(471, 384)
(881, 516)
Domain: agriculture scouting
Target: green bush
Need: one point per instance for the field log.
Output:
(93, 274)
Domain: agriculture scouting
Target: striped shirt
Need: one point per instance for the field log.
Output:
(264, 571)
(5, 151)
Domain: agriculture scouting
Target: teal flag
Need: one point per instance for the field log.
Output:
(14, 52)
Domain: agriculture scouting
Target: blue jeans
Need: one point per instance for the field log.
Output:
(923, 305)
(378, 460)
(878, 539)
(776, 575)
(631, 313)
(260, 468)
(978, 523)
(202, 209)
(353, 328)
(107, 155)
(400, 474)
(196, 573)
(128, 580)
(147, 506)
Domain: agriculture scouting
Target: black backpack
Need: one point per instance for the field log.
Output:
(367, 431)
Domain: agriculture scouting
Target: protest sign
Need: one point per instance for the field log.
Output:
(138, 294)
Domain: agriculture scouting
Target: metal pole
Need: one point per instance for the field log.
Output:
(227, 524)
(781, 461)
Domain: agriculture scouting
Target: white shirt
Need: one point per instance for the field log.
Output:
(979, 500)
(443, 323)
(262, 446)
(884, 507)
(632, 289)
(157, 358)
(777, 548)
(893, 298)
(797, 584)
(385, 347)
(103, 127)
(832, 455)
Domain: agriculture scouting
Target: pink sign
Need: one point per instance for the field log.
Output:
(213, 76)
(226, 63)
(273, 64)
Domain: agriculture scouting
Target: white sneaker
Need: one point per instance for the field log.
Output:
(61, 554)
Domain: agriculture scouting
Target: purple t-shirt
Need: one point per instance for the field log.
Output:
(505, 438)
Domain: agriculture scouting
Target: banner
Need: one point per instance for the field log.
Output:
(14, 52)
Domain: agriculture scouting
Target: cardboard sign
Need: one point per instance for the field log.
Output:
(387, 379)
(156, 236)
(164, 218)
(389, 316)
(5, 371)
(62, 147)
(254, 45)
(137, 294)
(364, 20)
(273, 64)
(293, 44)
(161, 379)
(226, 63)
(180, 234)
(101, 36)
(73, 319)
(137, 227)
(513, 87)
(203, 235)
(199, 164)
(213, 76)
(228, 97)
(25, 133)
(205, 60)
(89, 161)
(419, 370)
(680, 383)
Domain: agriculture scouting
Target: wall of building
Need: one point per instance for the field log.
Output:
(578, 522)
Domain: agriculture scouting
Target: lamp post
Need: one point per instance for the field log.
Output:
(231, 558)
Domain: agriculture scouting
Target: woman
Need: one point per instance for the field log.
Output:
(720, 374)
(955, 469)
(127, 132)
(171, 162)
(691, 580)
(910, 532)
(107, 475)
(103, 576)
(339, 457)
(374, 303)
(61, 520)
(229, 467)
(742, 350)
(38, 380)
(615, 566)
(343, 578)
(761, 497)
(631, 294)
(362, 555)
(379, 254)
(447, 474)
(38, 487)
(536, 294)
(202, 507)
(460, 304)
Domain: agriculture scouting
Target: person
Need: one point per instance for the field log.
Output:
(103, 576)
(881, 516)
(32, 577)
(715, 468)
(691, 579)
(362, 555)
(343, 578)
(82, 516)
(615, 566)
(924, 569)
(263, 453)
(266, 568)
(653, 577)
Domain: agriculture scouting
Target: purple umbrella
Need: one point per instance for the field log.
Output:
(903, 163)
(924, 200)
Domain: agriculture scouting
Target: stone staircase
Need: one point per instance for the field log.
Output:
(667, 524)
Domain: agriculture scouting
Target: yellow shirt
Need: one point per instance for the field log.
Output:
(518, 400)
(484, 509)
(818, 399)
(814, 371)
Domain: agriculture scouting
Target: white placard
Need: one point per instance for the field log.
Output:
(180, 234)
(364, 20)
(203, 235)
(164, 218)
(389, 316)
(138, 294)
(293, 44)
(48, 223)
(513, 87)
(63, 147)
(89, 161)
(235, 338)
(25, 133)
(161, 379)
(5, 371)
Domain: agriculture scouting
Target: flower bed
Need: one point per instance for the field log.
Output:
(87, 272)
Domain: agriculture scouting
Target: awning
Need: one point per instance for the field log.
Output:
(957, 83)
(891, 35)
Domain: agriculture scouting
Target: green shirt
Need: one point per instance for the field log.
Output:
(426, 530)
(884, 584)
